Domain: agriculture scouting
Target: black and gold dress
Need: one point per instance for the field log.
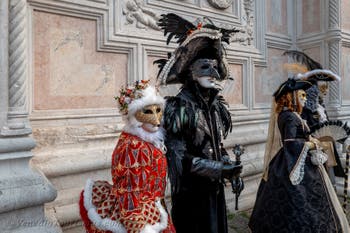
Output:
(296, 195)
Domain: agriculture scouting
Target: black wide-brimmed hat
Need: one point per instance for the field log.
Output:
(291, 85)
(203, 40)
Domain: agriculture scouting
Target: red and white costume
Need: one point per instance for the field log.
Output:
(135, 201)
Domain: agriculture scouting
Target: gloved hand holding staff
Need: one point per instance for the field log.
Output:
(237, 182)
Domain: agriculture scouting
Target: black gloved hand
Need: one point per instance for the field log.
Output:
(237, 185)
(230, 171)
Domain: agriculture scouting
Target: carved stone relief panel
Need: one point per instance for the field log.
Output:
(215, 9)
(311, 16)
(277, 16)
(68, 72)
(220, 4)
(246, 34)
(345, 74)
(267, 79)
(140, 16)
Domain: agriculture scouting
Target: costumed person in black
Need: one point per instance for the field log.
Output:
(196, 121)
(295, 194)
(314, 111)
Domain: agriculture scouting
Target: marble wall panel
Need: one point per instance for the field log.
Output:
(314, 53)
(277, 16)
(152, 69)
(233, 89)
(311, 16)
(267, 79)
(345, 16)
(68, 71)
(345, 73)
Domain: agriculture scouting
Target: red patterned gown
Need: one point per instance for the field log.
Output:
(134, 203)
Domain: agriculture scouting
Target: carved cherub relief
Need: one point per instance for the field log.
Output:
(136, 11)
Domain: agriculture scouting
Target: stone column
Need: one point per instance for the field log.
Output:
(23, 190)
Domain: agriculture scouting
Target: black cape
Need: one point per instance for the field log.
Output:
(195, 129)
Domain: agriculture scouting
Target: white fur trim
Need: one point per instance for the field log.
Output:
(156, 138)
(95, 218)
(308, 74)
(116, 226)
(149, 96)
(159, 226)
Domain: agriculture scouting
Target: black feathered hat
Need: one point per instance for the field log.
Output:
(312, 70)
(195, 41)
(291, 85)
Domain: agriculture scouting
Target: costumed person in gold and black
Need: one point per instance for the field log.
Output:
(135, 201)
(295, 194)
(314, 111)
(196, 121)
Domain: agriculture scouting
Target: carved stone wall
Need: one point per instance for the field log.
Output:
(81, 52)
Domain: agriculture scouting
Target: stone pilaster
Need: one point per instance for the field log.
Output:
(333, 63)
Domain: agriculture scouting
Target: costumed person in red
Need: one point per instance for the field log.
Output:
(135, 201)
(295, 194)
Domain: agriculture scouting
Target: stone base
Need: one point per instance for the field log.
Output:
(28, 220)
(23, 190)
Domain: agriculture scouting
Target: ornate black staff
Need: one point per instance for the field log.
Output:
(237, 185)
(346, 185)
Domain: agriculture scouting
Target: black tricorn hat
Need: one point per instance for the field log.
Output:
(291, 85)
(195, 41)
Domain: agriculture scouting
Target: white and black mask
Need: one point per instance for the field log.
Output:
(205, 72)
(301, 97)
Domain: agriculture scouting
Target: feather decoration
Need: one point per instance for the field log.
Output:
(175, 26)
(160, 63)
(304, 59)
(336, 129)
(295, 68)
(224, 115)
